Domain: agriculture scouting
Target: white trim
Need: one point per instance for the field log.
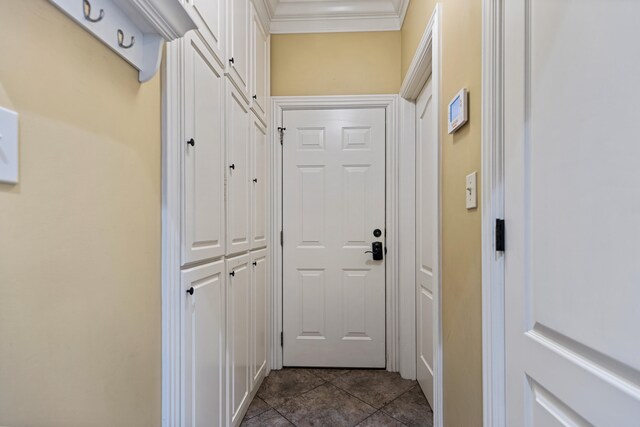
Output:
(493, 310)
(390, 103)
(173, 125)
(425, 64)
(335, 25)
(343, 16)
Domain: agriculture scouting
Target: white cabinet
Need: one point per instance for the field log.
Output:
(259, 63)
(239, 171)
(259, 315)
(238, 336)
(203, 347)
(210, 15)
(259, 184)
(238, 45)
(203, 223)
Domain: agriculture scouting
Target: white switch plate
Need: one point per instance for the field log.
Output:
(8, 146)
(472, 198)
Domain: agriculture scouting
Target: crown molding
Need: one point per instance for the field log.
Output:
(300, 16)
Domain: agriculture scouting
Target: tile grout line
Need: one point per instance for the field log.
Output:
(383, 413)
(391, 415)
(365, 402)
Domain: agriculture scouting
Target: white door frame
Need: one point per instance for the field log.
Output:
(390, 103)
(425, 64)
(493, 309)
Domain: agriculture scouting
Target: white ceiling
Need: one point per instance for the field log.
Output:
(313, 16)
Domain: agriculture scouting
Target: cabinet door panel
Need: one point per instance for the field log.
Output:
(204, 344)
(259, 187)
(203, 222)
(238, 335)
(259, 312)
(259, 61)
(239, 174)
(238, 51)
(210, 18)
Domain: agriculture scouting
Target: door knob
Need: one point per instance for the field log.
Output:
(190, 291)
(232, 166)
(376, 251)
(191, 142)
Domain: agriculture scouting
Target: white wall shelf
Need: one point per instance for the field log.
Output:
(134, 29)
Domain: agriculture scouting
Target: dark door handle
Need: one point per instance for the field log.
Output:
(255, 179)
(232, 61)
(190, 291)
(255, 97)
(191, 142)
(376, 251)
(232, 166)
(232, 274)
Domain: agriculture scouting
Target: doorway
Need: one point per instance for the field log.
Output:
(333, 226)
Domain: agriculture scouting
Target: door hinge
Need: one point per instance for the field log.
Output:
(281, 339)
(500, 231)
(281, 131)
(281, 238)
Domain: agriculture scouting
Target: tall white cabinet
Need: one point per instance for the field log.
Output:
(220, 75)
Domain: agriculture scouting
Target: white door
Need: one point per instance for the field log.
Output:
(258, 184)
(203, 215)
(259, 314)
(260, 52)
(239, 171)
(203, 311)
(238, 51)
(427, 236)
(210, 18)
(333, 201)
(572, 211)
(238, 335)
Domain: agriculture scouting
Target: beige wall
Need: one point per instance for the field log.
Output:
(461, 234)
(335, 63)
(80, 332)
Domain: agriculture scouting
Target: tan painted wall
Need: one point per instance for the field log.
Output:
(461, 235)
(80, 332)
(335, 63)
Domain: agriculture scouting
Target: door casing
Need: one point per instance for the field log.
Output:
(390, 104)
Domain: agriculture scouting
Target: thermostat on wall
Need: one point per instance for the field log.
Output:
(458, 111)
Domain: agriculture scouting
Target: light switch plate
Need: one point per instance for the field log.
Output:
(472, 198)
(8, 146)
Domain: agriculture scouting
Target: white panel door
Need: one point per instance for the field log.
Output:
(333, 201)
(238, 42)
(239, 171)
(427, 235)
(203, 346)
(572, 205)
(259, 184)
(259, 315)
(238, 335)
(209, 15)
(203, 223)
(259, 61)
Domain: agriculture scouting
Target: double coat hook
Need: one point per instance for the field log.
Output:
(121, 40)
(86, 8)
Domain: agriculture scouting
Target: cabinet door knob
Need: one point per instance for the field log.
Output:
(190, 291)
(255, 179)
(232, 61)
(255, 97)
(191, 142)
(232, 274)
(232, 166)
(255, 263)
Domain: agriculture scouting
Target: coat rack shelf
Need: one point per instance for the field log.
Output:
(134, 29)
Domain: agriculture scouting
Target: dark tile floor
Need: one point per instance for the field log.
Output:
(336, 398)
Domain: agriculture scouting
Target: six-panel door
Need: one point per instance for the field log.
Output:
(238, 334)
(239, 173)
(203, 348)
(203, 225)
(258, 184)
